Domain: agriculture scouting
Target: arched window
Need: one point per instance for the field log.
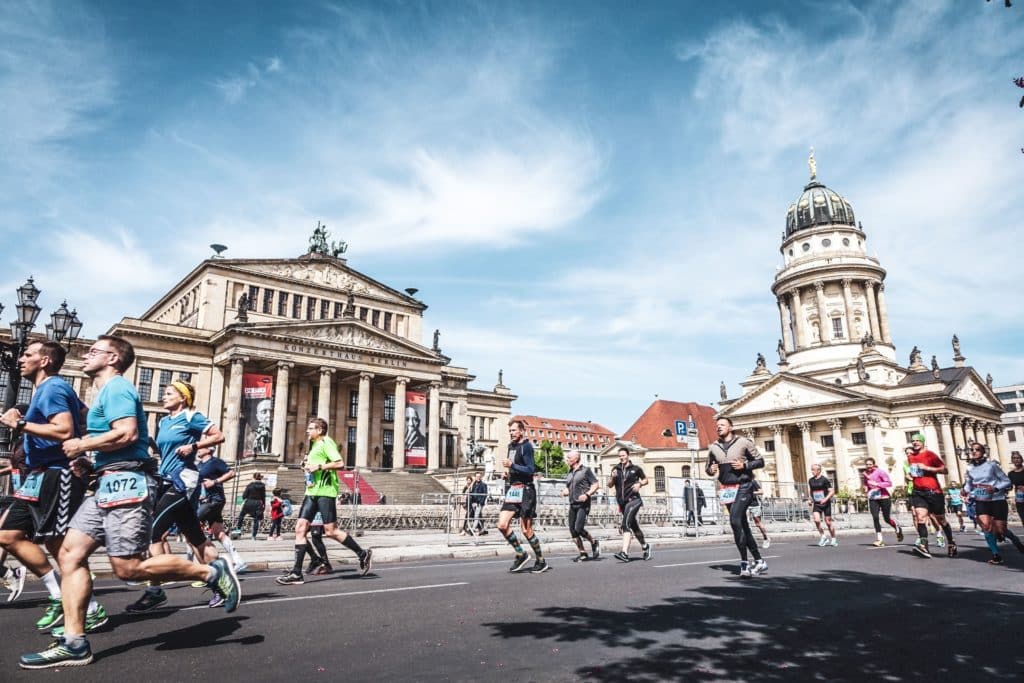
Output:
(659, 479)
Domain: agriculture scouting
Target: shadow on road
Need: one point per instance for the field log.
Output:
(204, 634)
(834, 626)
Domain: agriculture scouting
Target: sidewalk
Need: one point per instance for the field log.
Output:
(420, 545)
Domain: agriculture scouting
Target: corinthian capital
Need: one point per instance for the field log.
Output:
(835, 422)
(804, 426)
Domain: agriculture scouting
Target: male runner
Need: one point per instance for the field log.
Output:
(927, 498)
(321, 467)
(733, 459)
(755, 514)
(120, 514)
(580, 486)
(821, 504)
(51, 493)
(628, 479)
(520, 499)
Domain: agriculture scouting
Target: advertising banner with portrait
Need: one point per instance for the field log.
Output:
(415, 429)
(258, 409)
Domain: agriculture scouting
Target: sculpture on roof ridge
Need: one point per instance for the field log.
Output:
(318, 243)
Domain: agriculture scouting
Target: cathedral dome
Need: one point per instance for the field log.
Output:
(818, 205)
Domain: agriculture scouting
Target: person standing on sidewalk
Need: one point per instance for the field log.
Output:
(254, 502)
(580, 487)
(733, 459)
(877, 484)
(627, 479)
(322, 465)
(477, 501)
(276, 515)
(520, 499)
(822, 494)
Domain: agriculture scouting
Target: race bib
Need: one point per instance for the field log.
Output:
(916, 471)
(515, 494)
(727, 494)
(1018, 496)
(121, 488)
(30, 489)
(981, 494)
(875, 494)
(15, 480)
(818, 496)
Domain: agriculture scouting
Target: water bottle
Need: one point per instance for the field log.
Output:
(309, 479)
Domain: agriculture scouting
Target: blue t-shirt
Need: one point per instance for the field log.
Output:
(52, 397)
(116, 401)
(954, 497)
(183, 429)
(213, 468)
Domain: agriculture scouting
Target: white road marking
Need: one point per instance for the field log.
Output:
(339, 595)
(730, 560)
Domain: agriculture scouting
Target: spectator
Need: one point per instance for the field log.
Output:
(276, 516)
(253, 504)
(477, 500)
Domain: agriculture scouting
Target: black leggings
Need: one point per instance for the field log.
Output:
(740, 526)
(174, 507)
(885, 505)
(578, 520)
(630, 512)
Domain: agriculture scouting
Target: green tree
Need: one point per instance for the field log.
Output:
(551, 459)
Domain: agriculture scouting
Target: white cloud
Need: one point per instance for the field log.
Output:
(234, 88)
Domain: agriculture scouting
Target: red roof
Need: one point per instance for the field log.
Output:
(562, 429)
(648, 430)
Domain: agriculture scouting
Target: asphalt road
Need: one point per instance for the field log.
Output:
(831, 614)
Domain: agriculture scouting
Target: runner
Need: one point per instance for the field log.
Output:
(628, 479)
(878, 484)
(821, 505)
(988, 485)
(50, 493)
(733, 459)
(520, 500)
(755, 514)
(322, 464)
(927, 498)
(213, 474)
(1016, 476)
(120, 515)
(13, 578)
(956, 503)
(318, 562)
(182, 432)
(580, 487)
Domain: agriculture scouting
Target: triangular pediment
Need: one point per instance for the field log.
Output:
(972, 390)
(783, 392)
(346, 333)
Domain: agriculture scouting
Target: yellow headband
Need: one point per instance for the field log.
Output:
(184, 391)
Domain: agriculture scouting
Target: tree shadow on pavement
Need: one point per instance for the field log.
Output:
(204, 634)
(834, 626)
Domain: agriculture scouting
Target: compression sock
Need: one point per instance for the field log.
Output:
(922, 533)
(510, 536)
(535, 544)
(300, 555)
(948, 531)
(990, 539)
(51, 580)
(351, 544)
(639, 535)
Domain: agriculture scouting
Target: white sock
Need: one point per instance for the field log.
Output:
(92, 605)
(236, 559)
(51, 580)
(879, 535)
(228, 545)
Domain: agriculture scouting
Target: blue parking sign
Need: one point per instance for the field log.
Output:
(681, 428)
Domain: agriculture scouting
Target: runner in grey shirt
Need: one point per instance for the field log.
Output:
(580, 485)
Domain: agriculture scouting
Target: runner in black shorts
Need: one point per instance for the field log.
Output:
(821, 505)
(213, 474)
(627, 479)
(988, 485)
(580, 486)
(1016, 476)
(927, 498)
(520, 499)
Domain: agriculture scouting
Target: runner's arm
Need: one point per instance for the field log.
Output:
(123, 432)
(61, 426)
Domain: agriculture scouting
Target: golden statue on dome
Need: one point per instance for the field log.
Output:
(813, 165)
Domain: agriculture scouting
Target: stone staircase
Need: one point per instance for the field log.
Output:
(398, 488)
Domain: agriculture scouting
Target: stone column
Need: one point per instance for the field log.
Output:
(848, 307)
(1004, 447)
(971, 429)
(783, 463)
(824, 324)
(232, 409)
(809, 456)
(363, 421)
(870, 423)
(434, 427)
(988, 433)
(787, 336)
(279, 435)
(869, 296)
(883, 314)
(959, 441)
(798, 319)
(928, 427)
(399, 457)
(947, 450)
(842, 459)
(323, 398)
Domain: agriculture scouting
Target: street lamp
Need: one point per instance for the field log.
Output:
(64, 327)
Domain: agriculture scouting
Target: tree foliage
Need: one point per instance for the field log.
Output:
(551, 459)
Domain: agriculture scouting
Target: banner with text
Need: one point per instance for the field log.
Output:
(258, 409)
(415, 429)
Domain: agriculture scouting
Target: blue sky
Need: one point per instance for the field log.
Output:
(587, 195)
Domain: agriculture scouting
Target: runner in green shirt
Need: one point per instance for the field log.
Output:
(322, 465)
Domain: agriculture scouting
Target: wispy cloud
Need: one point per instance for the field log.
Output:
(234, 87)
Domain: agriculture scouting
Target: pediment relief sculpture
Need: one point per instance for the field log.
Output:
(322, 274)
(350, 336)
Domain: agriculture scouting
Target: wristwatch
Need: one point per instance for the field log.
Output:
(195, 447)
(21, 424)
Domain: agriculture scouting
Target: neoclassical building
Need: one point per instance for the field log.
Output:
(840, 395)
(322, 340)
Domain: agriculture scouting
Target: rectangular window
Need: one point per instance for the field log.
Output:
(339, 308)
(350, 450)
(165, 379)
(185, 376)
(353, 404)
(268, 301)
(282, 304)
(659, 479)
(311, 308)
(909, 435)
(446, 413)
(375, 319)
(1011, 436)
(362, 313)
(389, 439)
(827, 441)
(859, 439)
(387, 321)
(296, 306)
(325, 309)
(769, 446)
(313, 411)
(389, 408)
(837, 328)
(254, 293)
(145, 383)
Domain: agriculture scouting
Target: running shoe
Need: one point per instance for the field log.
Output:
(539, 567)
(952, 550)
(150, 600)
(996, 559)
(745, 568)
(14, 581)
(225, 582)
(291, 579)
(621, 556)
(215, 601)
(879, 543)
(93, 620)
(648, 553)
(767, 543)
(835, 542)
(198, 584)
(899, 534)
(921, 549)
(582, 557)
(940, 541)
(53, 615)
(241, 567)
(519, 563)
(595, 549)
(823, 542)
(323, 570)
(366, 562)
(963, 529)
(58, 654)
(759, 567)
